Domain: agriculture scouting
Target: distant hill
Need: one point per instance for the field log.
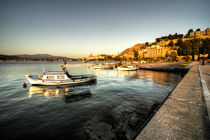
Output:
(32, 57)
(8, 57)
(131, 49)
(40, 56)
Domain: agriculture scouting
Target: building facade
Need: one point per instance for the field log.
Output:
(156, 51)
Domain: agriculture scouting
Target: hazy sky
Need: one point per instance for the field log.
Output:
(77, 28)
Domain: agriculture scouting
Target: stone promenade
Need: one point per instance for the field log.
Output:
(182, 115)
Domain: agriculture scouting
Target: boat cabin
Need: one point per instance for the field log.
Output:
(55, 75)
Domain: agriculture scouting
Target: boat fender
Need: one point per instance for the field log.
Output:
(24, 85)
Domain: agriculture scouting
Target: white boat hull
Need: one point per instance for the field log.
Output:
(126, 69)
(34, 81)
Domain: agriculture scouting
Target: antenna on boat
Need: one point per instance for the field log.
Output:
(43, 69)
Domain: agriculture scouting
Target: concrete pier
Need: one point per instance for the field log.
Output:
(168, 66)
(183, 115)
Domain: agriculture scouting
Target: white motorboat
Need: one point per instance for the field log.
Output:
(59, 78)
(127, 67)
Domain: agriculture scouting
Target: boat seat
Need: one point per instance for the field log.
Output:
(35, 77)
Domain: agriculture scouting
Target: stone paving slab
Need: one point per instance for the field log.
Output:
(182, 115)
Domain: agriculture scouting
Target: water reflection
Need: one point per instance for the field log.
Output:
(70, 98)
(154, 76)
(150, 75)
(126, 73)
(68, 93)
(48, 92)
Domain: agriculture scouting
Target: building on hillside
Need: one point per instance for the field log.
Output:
(90, 57)
(192, 34)
(156, 51)
(200, 34)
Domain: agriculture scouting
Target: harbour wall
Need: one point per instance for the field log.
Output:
(168, 67)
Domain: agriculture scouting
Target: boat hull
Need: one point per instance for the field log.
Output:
(126, 69)
(34, 81)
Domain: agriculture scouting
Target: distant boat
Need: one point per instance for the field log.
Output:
(104, 66)
(127, 67)
(59, 78)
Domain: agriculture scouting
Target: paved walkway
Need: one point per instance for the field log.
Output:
(205, 82)
(182, 115)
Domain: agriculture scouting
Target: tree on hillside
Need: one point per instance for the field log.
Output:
(189, 31)
(171, 43)
(170, 37)
(205, 48)
(198, 29)
(195, 44)
(207, 44)
(174, 56)
(175, 35)
(108, 57)
(154, 43)
(136, 55)
(180, 43)
(187, 48)
(179, 51)
(158, 40)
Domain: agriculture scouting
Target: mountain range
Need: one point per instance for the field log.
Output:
(28, 56)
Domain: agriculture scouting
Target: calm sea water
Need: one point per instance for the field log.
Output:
(113, 108)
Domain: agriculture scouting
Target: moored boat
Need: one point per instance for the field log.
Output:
(127, 67)
(59, 78)
(104, 66)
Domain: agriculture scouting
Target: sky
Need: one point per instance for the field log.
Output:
(78, 28)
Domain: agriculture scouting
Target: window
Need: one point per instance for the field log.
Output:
(60, 77)
(50, 77)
